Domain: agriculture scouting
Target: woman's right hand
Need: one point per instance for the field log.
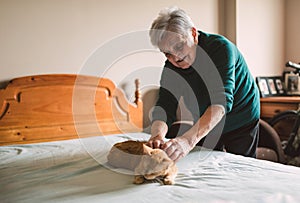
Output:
(156, 142)
(159, 130)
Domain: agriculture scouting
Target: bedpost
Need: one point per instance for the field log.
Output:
(138, 94)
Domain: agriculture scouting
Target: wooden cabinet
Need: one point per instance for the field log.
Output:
(271, 106)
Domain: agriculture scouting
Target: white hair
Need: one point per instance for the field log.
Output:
(171, 19)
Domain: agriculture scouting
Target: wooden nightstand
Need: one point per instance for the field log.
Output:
(271, 106)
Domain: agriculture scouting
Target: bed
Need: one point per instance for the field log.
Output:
(56, 132)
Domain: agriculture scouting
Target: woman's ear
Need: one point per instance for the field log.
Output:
(194, 34)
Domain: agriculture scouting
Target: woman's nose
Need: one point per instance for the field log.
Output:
(177, 58)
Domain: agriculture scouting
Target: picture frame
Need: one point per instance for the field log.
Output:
(271, 86)
(263, 86)
(292, 83)
(279, 86)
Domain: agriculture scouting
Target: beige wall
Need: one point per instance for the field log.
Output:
(61, 36)
(292, 28)
(268, 34)
(260, 35)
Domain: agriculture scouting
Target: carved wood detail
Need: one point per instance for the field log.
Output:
(64, 106)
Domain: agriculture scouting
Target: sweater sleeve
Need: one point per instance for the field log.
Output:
(167, 103)
(227, 72)
(225, 61)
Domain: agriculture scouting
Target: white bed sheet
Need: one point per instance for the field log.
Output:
(76, 171)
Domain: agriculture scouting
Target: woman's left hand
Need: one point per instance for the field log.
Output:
(177, 148)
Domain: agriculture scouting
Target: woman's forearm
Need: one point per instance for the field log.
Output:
(211, 117)
(159, 128)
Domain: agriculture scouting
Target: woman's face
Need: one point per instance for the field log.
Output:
(177, 50)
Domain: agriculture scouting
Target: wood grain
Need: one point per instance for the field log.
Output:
(64, 106)
(270, 106)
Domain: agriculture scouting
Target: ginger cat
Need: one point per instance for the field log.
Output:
(147, 163)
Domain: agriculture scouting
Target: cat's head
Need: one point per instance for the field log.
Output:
(155, 164)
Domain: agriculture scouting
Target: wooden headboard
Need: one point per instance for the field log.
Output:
(63, 106)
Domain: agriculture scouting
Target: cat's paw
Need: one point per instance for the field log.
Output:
(138, 180)
(168, 181)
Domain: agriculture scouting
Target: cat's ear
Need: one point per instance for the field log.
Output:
(147, 150)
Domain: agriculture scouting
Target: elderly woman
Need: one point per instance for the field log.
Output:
(212, 77)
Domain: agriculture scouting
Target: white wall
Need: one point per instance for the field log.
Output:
(61, 36)
(292, 39)
(260, 35)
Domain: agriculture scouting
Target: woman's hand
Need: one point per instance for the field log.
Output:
(156, 142)
(158, 132)
(177, 148)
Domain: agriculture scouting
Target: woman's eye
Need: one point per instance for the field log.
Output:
(167, 54)
(179, 46)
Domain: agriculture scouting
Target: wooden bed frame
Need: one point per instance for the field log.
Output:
(54, 107)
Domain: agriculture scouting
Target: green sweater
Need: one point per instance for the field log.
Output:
(219, 75)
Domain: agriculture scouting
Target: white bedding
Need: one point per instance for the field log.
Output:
(76, 171)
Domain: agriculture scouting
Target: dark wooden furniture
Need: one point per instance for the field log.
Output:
(270, 106)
